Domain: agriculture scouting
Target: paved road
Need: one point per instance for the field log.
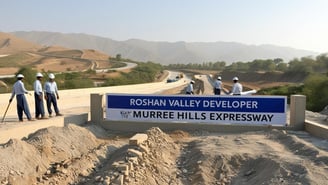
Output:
(129, 65)
(77, 101)
(209, 83)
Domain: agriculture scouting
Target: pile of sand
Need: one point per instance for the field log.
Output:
(91, 155)
(51, 153)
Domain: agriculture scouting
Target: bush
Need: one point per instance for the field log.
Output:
(316, 91)
(143, 73)
(287, 90)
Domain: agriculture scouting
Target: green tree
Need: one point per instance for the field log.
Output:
(316, 91)
(282, 67)
(118, 57)
(278, 61)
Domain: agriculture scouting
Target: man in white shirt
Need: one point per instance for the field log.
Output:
(51, 95)
(218, 86)
(38, 97)
(22, 105)
(237, 88)
(190, 88)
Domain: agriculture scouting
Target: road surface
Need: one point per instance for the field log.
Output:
(77, 101)
(209, 84)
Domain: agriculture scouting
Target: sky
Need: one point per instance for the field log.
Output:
(300, 24)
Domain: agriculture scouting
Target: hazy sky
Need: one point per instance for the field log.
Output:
(301, 24)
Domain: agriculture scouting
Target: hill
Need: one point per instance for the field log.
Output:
(17, 53)
(167, 52)
(10, 44)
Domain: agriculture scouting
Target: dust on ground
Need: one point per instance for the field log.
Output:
(90, 155)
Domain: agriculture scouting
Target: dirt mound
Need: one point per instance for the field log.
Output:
(35, 157)
(91, 155)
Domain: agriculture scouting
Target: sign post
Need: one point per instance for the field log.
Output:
(245, 110)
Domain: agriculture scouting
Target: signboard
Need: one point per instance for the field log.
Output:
(268, 110)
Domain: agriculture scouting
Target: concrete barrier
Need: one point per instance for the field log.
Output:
(78, 119)
(297, 111)
(132, 127)
(297, 122)
(316, 129)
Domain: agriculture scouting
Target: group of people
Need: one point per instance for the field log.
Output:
(237, 88)
(50, 94)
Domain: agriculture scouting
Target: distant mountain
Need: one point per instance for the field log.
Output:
(167, 52)
(11, 44)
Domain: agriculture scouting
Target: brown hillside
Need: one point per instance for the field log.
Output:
(10, 44)
(52, 48)
(18, 53)
(61, 64)
(94, 55)
(68, 53)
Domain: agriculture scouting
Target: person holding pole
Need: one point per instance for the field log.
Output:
(22, 105)
(38, 97)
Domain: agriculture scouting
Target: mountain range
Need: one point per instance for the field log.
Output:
(165, 52)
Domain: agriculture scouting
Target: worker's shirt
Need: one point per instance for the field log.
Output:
(18, 89)
(37, 87)
(218, 84)
(237, 88)
(50, 87)
(190, 88)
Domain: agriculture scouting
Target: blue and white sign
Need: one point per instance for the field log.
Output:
(269, 110)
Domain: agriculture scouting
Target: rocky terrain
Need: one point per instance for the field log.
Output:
(91, 155)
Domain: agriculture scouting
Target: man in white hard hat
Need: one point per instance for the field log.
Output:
(237, 88)
(22, 105)
(51, 95)
(190, 87)
(218, 86)
(38, 97)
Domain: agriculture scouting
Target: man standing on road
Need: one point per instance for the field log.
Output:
(38, 97)
(237, 88)
(22, 105)
(218, 86)
(51, 95)
(190, 87)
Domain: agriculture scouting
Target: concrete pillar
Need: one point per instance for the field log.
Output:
(297, 111)
(96, 108)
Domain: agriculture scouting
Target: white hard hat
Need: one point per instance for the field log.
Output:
(51, 76)
(39, 75)
(235, 78)
(219, 77)
(192, 81)
(20, 76)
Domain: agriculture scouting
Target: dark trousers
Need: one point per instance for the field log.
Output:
(217, 91)
(52, 100)
(22, 106)
(39, 108)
